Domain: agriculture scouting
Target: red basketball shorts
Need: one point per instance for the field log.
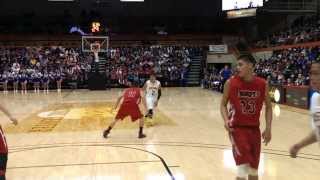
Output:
(131, 110)
(246, 145)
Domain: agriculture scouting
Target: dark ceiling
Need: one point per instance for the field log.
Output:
(114, 7)
(172, 15)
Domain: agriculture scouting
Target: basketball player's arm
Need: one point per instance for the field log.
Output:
(159, 92)
(144, 88)
(6, 112)
(117, 103)
(224, 105)
(266, 135)
(143, 100)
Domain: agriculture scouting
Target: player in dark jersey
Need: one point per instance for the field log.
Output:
(36, 78)
(23, 79)
(15, 82)
(131, 99)
(246, 94)
(59, 80)
(4, 81)
(10, 78)
(45, 82)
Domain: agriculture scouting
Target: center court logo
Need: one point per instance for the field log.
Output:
(52, 114)
(71, 117)
(66, 117)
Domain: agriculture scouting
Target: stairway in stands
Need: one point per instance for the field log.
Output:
(99, 66)
(194, 74)
(97, 80)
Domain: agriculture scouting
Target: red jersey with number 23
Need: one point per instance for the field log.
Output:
(246, 101)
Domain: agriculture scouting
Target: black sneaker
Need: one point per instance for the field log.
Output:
(148, 116)
(105, 133)
(142, 136)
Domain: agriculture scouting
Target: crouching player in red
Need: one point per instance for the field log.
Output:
(131, 99)
(246, 94)
(4, 146)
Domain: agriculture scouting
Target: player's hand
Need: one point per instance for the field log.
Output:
(266, 136)
(14, 121)
(226, 126)
(294, 151)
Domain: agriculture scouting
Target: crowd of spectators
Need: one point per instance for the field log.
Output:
(215, 78)
(302, 30)
(285, 67)
(288, 67)
(37, 62)
(169, 63)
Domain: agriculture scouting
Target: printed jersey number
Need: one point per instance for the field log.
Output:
(248, 106)
(132, 94)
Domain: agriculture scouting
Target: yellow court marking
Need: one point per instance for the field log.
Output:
(68, 117)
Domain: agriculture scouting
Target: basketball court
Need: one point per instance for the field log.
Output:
(59, 136)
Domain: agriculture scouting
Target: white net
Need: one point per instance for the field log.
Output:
(95, 43)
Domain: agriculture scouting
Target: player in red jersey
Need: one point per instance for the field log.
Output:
(246, 93)
(131, 97)
(4, 146)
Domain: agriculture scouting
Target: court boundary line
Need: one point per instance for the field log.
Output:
(79, 164)
(95, 145)
(163, 143)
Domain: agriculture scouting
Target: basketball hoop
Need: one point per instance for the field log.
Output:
(95, 43)
(95, 47)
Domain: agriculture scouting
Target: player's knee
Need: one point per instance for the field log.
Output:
(253, 171)
(243, 170)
